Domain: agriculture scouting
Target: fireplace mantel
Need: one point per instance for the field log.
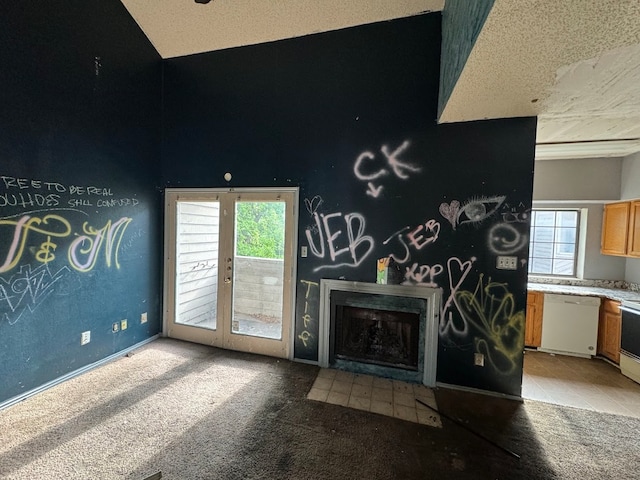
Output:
(432, 296)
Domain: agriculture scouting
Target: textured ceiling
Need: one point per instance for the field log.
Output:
(573, 63)
(183, 27)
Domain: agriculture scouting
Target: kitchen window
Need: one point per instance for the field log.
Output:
(554, 242)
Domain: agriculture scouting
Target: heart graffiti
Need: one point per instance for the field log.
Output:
(450, 211)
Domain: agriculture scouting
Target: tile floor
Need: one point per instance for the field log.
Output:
(591, 384)
(377, 395)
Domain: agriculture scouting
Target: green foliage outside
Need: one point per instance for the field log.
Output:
(260, 229)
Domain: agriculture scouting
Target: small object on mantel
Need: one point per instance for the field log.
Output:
(388, 272)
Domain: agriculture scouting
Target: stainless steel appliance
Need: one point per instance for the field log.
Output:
(630, 340)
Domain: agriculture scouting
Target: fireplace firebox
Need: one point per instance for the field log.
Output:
(379, 337)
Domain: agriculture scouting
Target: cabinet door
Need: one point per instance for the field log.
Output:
(615, 227)
(609, 332)
(533, 322)
(633, 242)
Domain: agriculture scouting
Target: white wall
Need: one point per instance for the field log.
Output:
(630, 189)
(588, 184)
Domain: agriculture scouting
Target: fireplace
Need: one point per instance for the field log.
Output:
(385, 330)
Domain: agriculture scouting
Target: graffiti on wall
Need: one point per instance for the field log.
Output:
(310, 315)
(491, 309)
(50, 232)
(476, 312)
(370, 167)
(336, 237)
(475, 210)
(82, 252)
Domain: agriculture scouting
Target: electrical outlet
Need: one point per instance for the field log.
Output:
(143, 317)
(123, 324)
(85, 337)
(478, 359)
(506, 262)
(115, 327)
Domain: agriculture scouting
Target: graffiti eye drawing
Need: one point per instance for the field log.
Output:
(478, 209)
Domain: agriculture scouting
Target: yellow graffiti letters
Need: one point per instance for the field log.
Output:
(49, 225)
(84, 250)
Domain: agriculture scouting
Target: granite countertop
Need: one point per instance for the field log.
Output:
(617, 294)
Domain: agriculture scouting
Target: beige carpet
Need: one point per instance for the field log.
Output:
(196, 412)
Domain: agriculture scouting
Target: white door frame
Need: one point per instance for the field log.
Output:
(170, 240)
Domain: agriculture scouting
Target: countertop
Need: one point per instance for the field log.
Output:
(617, 294)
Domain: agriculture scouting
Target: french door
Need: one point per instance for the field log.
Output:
(229, 268)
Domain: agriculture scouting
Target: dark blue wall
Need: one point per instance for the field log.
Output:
(80, 212)
(350, 117)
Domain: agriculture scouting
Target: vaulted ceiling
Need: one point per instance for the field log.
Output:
(575, 64)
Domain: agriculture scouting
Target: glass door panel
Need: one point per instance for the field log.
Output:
(197, 248)
(258, 274)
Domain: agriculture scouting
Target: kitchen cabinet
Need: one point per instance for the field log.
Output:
(609, 328)
(533, 321)
(633, 240)
(615, 229)
(621, 229)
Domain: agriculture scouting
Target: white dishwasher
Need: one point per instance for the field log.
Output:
(570, 324)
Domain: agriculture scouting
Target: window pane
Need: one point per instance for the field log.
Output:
(540, 265)
(563, 267)
(554, 236)
(542, 234)
(568, 219)
(545, 218)
(544, 250)
(565, 250)
(566, 235)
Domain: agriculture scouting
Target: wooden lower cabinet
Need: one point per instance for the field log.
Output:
(609, 330)
(533, 322)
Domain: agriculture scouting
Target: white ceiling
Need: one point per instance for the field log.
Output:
(573, 63)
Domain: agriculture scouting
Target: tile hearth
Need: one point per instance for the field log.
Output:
(392, 398)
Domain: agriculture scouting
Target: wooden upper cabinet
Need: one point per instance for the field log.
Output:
(615, 229)
(633, 240)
